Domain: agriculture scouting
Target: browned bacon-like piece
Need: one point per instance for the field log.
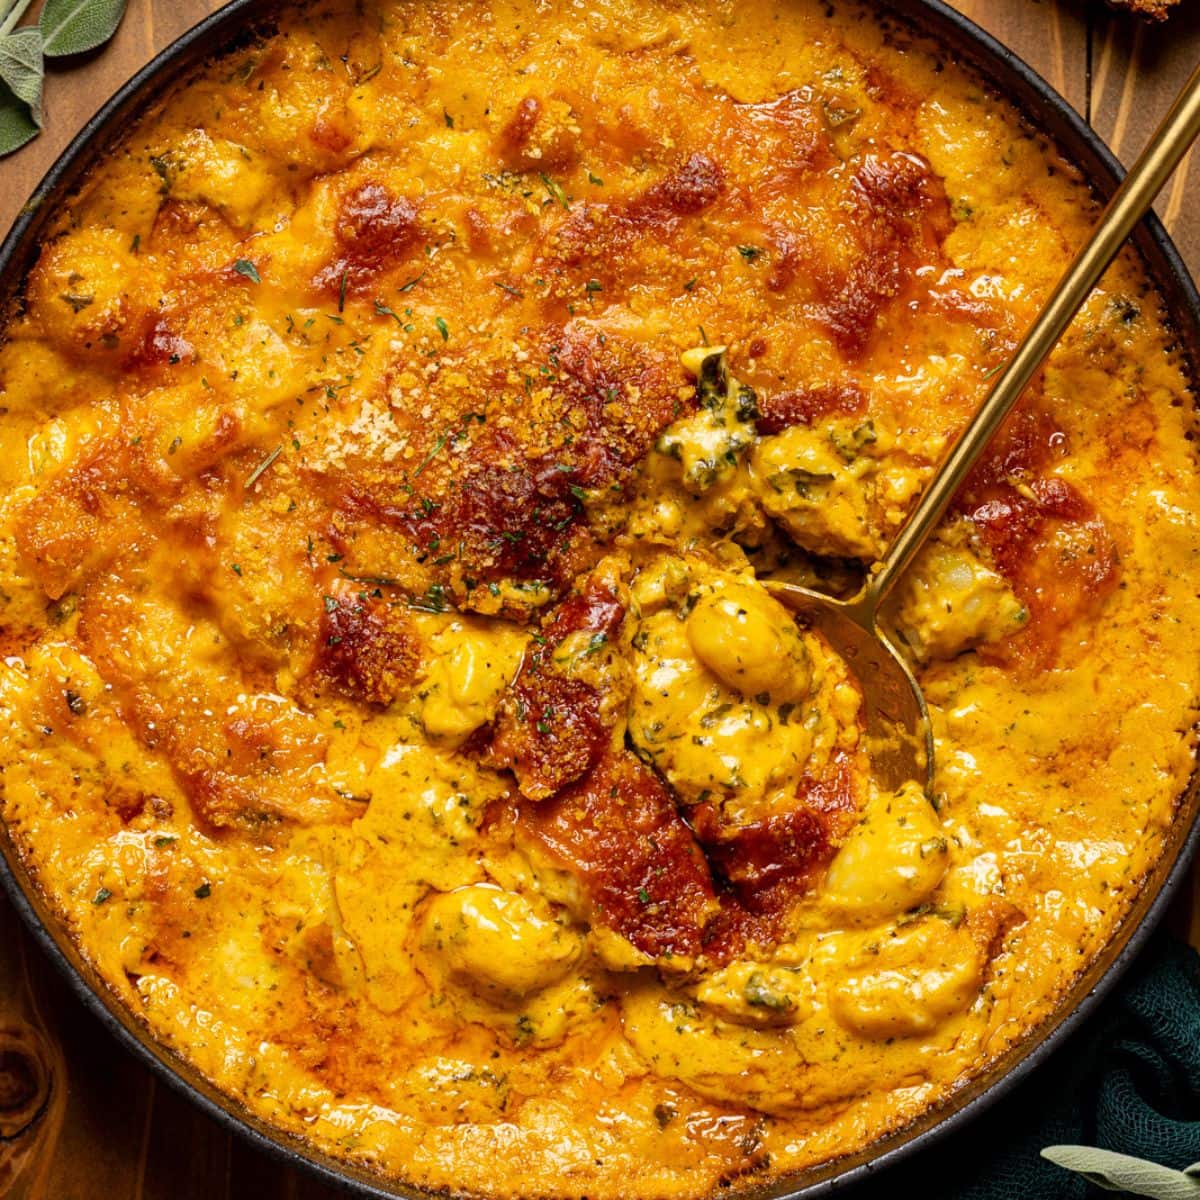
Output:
(689, 885)
(619, 832)
(159, 345)
(367, 647)
(599, 234)
(757, 858)
(537, 138)
(375, 231)
(550, 729)
(1059, 556)
(900, 215)
(766, 865)
(503, 516)
(1026, 444)
(1043, 535)
(778, 411)
(789, 132)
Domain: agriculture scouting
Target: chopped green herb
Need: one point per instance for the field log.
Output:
(203, 891)
(749, 253)
(759, 993)
(434, 600)
(412, 283)
(247, 270)
(441, 441)
(443, 328)
(556, 192)
(263, 466)
(102, 895)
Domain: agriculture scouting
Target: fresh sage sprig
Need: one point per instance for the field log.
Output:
(1124, 1173)
(65, 27)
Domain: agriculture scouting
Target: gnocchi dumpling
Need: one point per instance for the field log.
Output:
(748, 640)
(215, 171)
(893, 860)
(494, 942)
(952, 600)
(468, 675)
(724, 685)
(752, 993)
(93, 293)
(910, 981)
(824, 502)
(679, 1039)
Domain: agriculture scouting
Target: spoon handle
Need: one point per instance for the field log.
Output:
(1132, 200)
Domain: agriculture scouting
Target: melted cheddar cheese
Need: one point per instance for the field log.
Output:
(397, 434)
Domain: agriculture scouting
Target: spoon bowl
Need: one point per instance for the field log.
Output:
(897, 732)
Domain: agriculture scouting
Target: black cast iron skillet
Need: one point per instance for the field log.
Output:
(1047, 112)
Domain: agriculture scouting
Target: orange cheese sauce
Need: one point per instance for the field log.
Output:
(395, 437)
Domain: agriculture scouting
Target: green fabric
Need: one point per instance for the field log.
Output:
(1129, 1081)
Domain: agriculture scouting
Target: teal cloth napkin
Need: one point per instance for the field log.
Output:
(1129, 1081)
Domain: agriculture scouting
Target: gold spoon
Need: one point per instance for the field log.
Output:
(899, 737)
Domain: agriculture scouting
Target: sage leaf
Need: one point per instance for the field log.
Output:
(17, 125)
(1124, 1173)
(21, 68)
(74, 26)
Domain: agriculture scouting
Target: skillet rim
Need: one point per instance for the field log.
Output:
(1044, 110)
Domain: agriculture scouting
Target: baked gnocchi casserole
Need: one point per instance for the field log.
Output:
(401, 431)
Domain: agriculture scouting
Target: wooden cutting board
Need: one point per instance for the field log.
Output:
(79, 1120)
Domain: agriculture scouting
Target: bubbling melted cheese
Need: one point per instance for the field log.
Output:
(397, 434)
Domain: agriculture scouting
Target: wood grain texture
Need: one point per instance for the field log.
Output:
(1135, 72)
(79, 1119)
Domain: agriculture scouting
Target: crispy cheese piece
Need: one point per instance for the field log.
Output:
(641, 871)
(555, 722)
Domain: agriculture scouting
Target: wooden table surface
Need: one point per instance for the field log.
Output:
(102, 1127)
